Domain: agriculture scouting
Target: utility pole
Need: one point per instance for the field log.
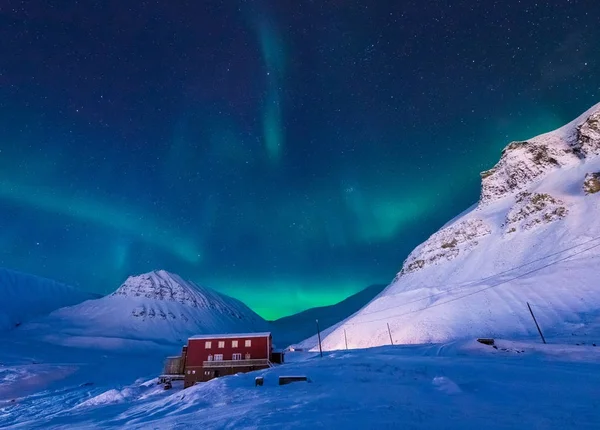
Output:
(536, 323)
(319, 334)
(390, 332)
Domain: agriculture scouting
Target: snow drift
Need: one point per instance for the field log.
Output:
(533, 237)
(157, 306)
(26, 296)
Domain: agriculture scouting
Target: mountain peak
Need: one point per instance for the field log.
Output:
(158, 305)
(524, 162)
(532, 238)
(158, 285)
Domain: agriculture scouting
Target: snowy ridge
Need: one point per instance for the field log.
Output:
(534, 237)
(26, 296)
(524, 162)
(295, 328)
(158, 306)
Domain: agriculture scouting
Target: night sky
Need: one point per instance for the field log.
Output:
(286, 152)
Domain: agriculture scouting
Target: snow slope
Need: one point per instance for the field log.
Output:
(461, 385)
(157, 306)
(534, 237)
(26, 296)
(297, 327)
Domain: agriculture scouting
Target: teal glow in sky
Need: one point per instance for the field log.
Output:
(273, 55)
(286, 153)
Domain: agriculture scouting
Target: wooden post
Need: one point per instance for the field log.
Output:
(319, 334)
(346, 339)
(536, 323)
(390, 332)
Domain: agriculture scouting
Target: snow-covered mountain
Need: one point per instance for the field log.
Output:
(297, 327)
(533, 237)
(25, 296)
(158, 306)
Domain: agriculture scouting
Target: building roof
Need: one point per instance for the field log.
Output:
(230, 336)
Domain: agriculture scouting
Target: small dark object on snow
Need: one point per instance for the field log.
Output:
(494, 346)
(277, 357)
(486, 341)
(86, 384)
(258, 381)
(284, 380)
(593, 344)
(168, 385)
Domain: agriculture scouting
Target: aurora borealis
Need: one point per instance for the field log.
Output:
(286, 153)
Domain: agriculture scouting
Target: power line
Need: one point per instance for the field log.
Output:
(476, 281)
(478, 291)
(551, 308)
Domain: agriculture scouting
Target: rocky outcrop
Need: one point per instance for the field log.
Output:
(446, 244)
(521, 164)
(588, 137)
(533, 210)
(591, 183)
(164, 286)
(158, 285)
(524, 162)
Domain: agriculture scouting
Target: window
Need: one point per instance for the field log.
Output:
(248, 342)
(218, 357)
(207, 344)
(221, 344)
(234, 343)
(193, 372)
(247, 356)
(189, 372)
(237, 356)
(210, 357)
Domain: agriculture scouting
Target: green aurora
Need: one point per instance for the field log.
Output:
(288, 155)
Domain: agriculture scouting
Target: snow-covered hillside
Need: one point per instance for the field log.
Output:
(24, 297)
(534, 237)
(156, 306)
(297, 327)
(461, 385)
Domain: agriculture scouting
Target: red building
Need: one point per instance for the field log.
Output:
(210, 356)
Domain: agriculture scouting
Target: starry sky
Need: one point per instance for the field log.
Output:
(288, 153)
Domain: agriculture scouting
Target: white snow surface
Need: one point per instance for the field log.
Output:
(154, 307)
(456, 385)
(537, 241)
(24, 297)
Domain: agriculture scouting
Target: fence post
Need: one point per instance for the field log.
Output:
(346, 339)
(536, 323)
(390, 332)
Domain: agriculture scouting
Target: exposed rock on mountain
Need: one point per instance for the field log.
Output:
(522, 163)
(158, 306)
(591, 184)
(534, 209)
(446, 244)
(534, 237)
